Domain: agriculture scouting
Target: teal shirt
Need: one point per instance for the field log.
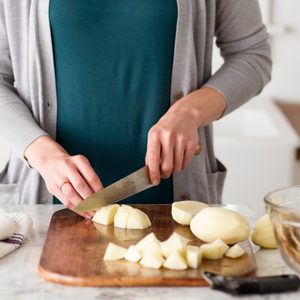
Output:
(113, 64)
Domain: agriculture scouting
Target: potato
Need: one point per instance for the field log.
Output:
(263, 234)
(152, 260)
(138, 220)
(106, 215)
(114, 252)
(193, 256)
(122, 216)
(235, 251)
(214, 223)
(183, 211)
(214, 250)
(175, 261)
(149, 244)
(133, 254)
(174, 242)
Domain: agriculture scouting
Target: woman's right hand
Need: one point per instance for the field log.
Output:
(69, 178)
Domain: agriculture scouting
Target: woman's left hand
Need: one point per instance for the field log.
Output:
(172, 142)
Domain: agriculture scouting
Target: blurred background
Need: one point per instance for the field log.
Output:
(259, 143)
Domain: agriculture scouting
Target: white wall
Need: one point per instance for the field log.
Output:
(285, 82)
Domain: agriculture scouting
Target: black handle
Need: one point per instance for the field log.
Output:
(254, 285)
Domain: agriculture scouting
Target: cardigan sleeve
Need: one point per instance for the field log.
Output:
(243, 42)
(18, 127)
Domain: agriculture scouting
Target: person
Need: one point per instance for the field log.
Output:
(90, 91)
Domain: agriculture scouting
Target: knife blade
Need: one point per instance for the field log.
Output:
(135, 182)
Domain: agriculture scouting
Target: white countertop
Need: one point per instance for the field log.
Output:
(19, 278)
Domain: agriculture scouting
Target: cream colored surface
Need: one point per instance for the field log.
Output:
(235, 251)
(7, 227)
(106, 215)
(175, 261)
(114, 252)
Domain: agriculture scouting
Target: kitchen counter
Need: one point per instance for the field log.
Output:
(19, 278)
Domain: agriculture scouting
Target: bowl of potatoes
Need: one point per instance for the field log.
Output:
(283, 207)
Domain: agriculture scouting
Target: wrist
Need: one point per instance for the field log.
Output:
(41, 150)
(204, 105)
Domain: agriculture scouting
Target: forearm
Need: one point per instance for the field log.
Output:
(204, 105)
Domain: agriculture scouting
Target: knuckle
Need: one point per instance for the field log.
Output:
(79, 186)
(80, 158)
(169, 134)
(166, 169)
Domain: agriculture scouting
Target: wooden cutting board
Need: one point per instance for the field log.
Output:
(74, 248)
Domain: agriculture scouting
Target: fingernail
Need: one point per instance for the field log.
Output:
(156, 182)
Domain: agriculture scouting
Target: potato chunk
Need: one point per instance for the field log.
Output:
(106, 215)
(235, 251)
(114, 252)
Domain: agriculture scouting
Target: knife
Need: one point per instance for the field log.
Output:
(252, 285)
(132, 184)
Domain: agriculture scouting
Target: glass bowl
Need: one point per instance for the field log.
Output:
(283, 207)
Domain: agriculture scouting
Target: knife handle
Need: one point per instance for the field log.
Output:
(253, 285)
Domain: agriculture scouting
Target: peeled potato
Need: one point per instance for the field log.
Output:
(263, 234)
(137, 219)
(214, 250)
(152, 260)
(235, 251)
(106, 214)
(214, 223)
(114, 252)
(183, 211)
(149, 244)
(175, 261)
(133, 254)
(122, 216)
(193, 256)
(174, 242)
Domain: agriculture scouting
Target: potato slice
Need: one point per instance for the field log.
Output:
(214, 223)
(174, 242)
(152, 260)
(193, 256)
(214, 250)
(114, 252)
(175, 261)
(138, 220)
(149, 244)
(106, 215)
(122, 216)
(235, 251)
(183, 211)
(263, 234)
(133, 254)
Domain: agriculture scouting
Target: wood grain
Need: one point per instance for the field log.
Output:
(74, 248)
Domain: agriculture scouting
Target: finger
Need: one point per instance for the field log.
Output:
(153, 157)
(72, 198)
(179, 151)
(189, 153)
(88, 173)
(78, 182)
(167, 154)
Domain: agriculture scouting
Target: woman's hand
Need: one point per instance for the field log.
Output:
(69, 178)
(173, 140)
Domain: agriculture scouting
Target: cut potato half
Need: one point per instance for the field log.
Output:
(152, 260)
(174, 242)
(133, 254)
(263, 234)
(193, 256)
(122, 216)
(149, 244)
(214, 250)
(114, 252)
(106, 215)
(214, 223)
(235, 251)
(137, 219)
(175, 261)
(183, 211)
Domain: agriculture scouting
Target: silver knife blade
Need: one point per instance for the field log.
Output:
(132, 184)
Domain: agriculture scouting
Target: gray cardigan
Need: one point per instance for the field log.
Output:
(28, 103)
